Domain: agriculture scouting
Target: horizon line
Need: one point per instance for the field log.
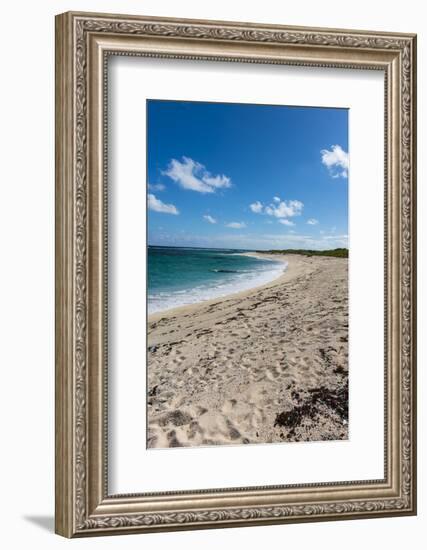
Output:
(249, 249)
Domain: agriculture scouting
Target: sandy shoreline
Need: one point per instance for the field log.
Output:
(172, 312)
(268, 364)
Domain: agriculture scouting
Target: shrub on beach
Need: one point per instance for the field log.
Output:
(336, 252)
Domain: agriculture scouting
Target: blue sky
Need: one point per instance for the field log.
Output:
(246, 176)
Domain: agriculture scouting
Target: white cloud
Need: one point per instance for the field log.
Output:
(192, 175)
(216, 181)
(312, 221)
(285, 209)
(336, 160)
(278, 208)
(236, 225)
(158, 206)
(256, 207)
(284, 221)
(209, 218)
(156, 186)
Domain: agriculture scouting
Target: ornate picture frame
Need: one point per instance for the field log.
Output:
(84, 42)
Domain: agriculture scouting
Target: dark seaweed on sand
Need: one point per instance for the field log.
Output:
(334, 399)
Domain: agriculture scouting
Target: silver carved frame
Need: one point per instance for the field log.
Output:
(83, 43)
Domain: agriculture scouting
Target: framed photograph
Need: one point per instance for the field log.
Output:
(235, 274)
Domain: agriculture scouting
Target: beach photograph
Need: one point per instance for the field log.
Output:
(247, 274)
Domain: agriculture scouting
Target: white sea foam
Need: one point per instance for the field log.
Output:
(244, 280)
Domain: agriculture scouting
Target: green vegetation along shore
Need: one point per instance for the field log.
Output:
(336, 252)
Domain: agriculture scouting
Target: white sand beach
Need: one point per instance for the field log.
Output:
(266, 365)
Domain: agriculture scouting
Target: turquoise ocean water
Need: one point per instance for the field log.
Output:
(182, 276)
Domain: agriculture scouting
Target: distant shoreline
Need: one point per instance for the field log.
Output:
(292, 269)
(255, 278)
(333, 252)
(272, 255)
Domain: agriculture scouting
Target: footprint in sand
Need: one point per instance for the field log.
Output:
(229, 406)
